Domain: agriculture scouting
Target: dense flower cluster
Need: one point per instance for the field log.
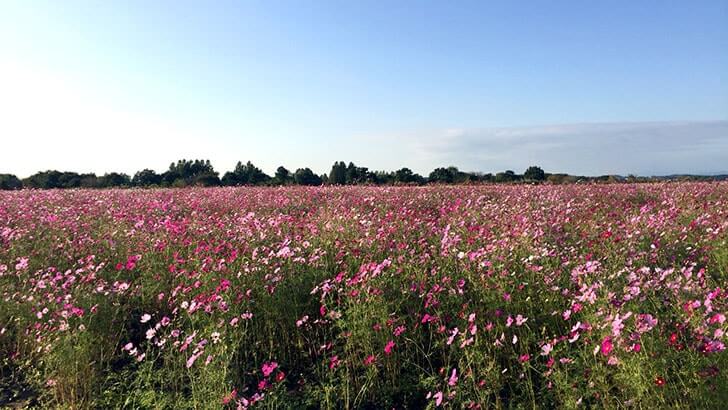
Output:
(477, 297)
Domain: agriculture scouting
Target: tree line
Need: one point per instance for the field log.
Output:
(199, 172)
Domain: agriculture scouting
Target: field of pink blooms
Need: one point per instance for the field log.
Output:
(365, 297)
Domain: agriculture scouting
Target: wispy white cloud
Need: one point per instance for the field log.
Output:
(600, 148)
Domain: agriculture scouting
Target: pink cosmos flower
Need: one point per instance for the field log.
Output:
(388, 347)
(268, 368)
(607, 346)
(333, 362)
(427, 318)
(467, 342)
(717, 318)
(229, 397)
(370, 360)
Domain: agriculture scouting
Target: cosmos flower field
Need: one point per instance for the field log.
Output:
(365, 297)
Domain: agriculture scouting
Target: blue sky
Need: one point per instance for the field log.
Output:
(580, 87)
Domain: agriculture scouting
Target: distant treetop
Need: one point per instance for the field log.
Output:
(200, 172)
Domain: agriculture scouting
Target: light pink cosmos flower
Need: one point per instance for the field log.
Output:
(192, 359)
(22, 264)
(546, 349)
(151, 333)
(438, 398)
(145, 318)
(645, 323)
(453, 334)
(453, 380)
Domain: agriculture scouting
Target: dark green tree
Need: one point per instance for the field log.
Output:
(460, 177)
(442, 175)
(206, 179)
(247, 174)
(145, 178)
(69, 180)
(114, 180)
(282, 176)
(507, 176)
(9, 182)
(189, 172)
(406, 176)
(304, 176)
(44, 180)
(337, 176)
(357, 175)
(534, 173)
(89, 181)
